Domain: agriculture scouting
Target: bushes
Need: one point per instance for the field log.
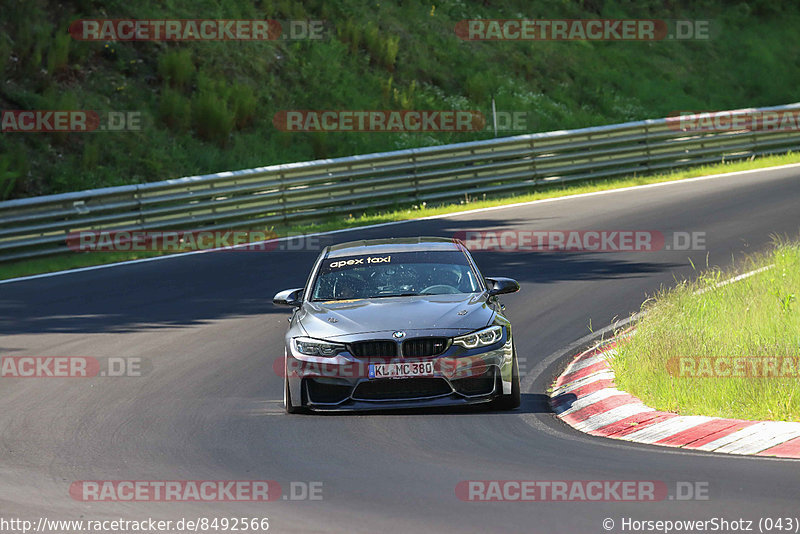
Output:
(58, 53)
(242, 103)
(215, 108)
(212, 119)
(381, 46)
(213, 111)
(8, 177)
(176, 68)
(15, 175)
(175, 110)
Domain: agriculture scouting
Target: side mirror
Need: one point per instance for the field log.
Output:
(499, 285)
(289, 297)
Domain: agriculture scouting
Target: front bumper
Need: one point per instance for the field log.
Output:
(461, 377)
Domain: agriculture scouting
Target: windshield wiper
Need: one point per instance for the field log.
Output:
(371, 297)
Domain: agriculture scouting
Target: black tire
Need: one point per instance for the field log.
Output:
(287, 397)
(514, 399)
(288, 402)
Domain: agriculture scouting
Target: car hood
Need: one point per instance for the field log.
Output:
(458, 313)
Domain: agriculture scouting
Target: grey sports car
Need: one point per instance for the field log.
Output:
(398, 323)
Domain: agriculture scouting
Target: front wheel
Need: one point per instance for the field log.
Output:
(287, 395)
(514, 399)
(287, 400)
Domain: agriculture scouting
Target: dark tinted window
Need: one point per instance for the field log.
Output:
(395, 274)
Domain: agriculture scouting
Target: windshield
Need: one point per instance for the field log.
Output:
(395, 274)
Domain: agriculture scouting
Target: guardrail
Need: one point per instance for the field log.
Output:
(282, 194)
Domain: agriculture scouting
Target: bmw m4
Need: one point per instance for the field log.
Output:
(398, 323)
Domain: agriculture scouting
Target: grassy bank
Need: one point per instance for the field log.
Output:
(208, 106)
(71, 261)
(683, 356)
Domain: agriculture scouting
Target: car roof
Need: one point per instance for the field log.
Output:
(394, 244)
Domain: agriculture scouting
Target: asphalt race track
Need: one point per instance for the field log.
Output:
(208, 406)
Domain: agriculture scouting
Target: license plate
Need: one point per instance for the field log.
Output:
(400, 369)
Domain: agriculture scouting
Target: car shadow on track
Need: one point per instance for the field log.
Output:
(531, 403)
(192, 291)
(564, 401)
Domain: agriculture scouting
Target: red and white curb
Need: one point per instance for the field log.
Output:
(585, 397)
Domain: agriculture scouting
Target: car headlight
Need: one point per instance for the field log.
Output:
(316, 347)
(480, 338)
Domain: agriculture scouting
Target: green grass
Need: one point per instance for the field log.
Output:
(208, 106)
(72, 261)
(757, 317)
